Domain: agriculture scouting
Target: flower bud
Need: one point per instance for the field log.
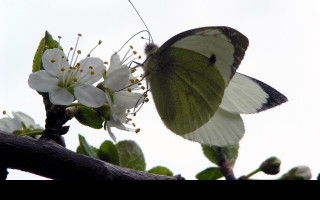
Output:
(298, 173)
(271, 165)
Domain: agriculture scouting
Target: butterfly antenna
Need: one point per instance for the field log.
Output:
(150, 37)
(131, 39)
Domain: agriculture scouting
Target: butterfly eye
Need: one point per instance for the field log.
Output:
(212, 59)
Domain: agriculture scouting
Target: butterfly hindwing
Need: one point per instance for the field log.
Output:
(187, 90)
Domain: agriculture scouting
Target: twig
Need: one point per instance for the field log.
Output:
(48, 159)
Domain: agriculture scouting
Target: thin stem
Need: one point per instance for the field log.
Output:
(253, 173)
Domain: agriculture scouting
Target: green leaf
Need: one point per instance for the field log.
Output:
(216, 154)
(211, 173)
(86, 149)
(108, 152)
(161, 171)
(89, 117)
(131, 155)
(46, 42)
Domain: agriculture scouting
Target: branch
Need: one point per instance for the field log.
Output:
(226, 170)
(48, 159)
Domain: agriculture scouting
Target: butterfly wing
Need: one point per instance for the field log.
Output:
(225, 44)
(188, 91)
(246, 95)
(189, 75)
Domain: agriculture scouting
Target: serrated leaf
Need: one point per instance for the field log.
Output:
(86, 149)
(211, 173)
(108, 152)
(131, 155)
(89, 117)
(216, 154)
(161, 171)
(46, 41)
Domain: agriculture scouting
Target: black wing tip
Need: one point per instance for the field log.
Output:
(275, 97)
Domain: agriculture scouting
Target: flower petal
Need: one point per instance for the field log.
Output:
(117, 79)
(90, 96)
(112, 108)
(9, 125)
(42, 81)
(114, 62)
(60, 96)
(53, 60)
(92, 70)
(26, 119)
(110, 132)
(127, 99)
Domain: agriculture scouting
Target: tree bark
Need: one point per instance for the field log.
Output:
(51, 160)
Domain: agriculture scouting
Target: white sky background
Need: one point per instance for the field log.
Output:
(284, 52)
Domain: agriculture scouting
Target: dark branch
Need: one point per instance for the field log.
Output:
(48, 159)
(226, 170)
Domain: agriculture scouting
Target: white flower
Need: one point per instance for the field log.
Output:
(63, 82)
(10, 125)
(117, 81)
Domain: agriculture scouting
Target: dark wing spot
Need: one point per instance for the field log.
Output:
(212, 59)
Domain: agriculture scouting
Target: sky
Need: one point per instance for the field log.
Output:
(283, 52)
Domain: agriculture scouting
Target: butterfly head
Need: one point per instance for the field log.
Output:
(150, 49)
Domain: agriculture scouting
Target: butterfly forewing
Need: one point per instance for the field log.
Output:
(227, 45)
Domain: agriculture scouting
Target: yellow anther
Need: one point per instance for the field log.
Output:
(81, 70)
(139, 83)
(92, 72)
(134, 52)
(131, 80)
(4, 112)
(146, 100)
(105, 71)
(90, 67)
(62, 69)
(133, 124)
(129, 89)
(137, 130)
(139, 57)
(79, 34)
(131, 47)
(53, 60)
(133, 70)
(99, 42)
(79, 51)
(142, 87)
(59, 37)
(75, 79)
(105, 62)
(145, 94)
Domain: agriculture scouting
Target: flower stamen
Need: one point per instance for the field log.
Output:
(94, 48)
(79, 35)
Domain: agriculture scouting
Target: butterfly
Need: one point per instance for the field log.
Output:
(196, 89)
